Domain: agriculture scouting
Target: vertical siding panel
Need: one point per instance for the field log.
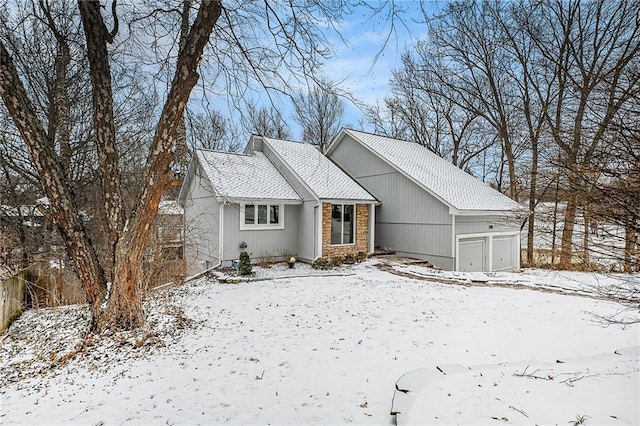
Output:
(482, 224)
(306, 231)
(409, 219)
(201, 227)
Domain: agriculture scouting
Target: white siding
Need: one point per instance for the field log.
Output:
(307, 228)
(486, 224)
(409, 219)
(201, 216)
(306, 231)
(260, 243)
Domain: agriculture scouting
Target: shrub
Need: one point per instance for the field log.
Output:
(349, 259)
(266, 260)
(321, 263)
(244, 265)
(336, 260)
(361, 256)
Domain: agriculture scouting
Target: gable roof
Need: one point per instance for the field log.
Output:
(317, 172)
(453, 186)
(244, 177)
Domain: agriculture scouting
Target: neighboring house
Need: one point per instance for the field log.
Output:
(164, 259)
(279, 198)
(429, 208)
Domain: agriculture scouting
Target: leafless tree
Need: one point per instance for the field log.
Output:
(267, 122)
(433, 120)
(320, 112)
(146, 37)
(588, 50)
(465, 43)
(211, 130)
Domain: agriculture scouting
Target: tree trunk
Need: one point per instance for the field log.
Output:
(124, 308)
(532, 199)
(630, 247)
(555, 223)
(585, 234)
(64, 212)
(566, 249)
(97, 36)
(511, 164)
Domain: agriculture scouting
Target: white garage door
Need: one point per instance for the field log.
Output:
(471, 255)
(503, 253)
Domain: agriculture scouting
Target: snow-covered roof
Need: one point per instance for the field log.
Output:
(326, 180)
(450, 184)
(170, 207)
(245, 177)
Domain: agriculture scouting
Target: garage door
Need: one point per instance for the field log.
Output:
(471, 255)
(503, 253)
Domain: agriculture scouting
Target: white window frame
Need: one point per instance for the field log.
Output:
(353, 221)
(262, 226)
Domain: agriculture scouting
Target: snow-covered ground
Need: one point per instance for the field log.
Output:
(329, 349)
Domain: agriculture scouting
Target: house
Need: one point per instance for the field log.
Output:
(164, 260)
(429, 208)
(277, 199)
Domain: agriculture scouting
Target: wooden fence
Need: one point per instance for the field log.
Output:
(41, 286)
(38, 286)
(12, 298)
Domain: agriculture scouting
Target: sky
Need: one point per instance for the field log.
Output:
(364, 54)
(363, 63)
(366, 63)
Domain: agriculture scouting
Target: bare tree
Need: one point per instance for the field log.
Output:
(267, 122)
(127, 235)
(588, 49)
(320, 112)
(385, 121)
(211, 130)
(465, 43)
(242, 60)
(430, 119)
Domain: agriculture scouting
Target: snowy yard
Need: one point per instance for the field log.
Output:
(329, 350)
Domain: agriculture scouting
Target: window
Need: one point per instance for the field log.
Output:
(261, 216)
(343, 223)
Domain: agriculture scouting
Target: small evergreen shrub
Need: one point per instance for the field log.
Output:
(349, 259)
(336, 260)
(244, 265)
(321, 263)
(361, 256)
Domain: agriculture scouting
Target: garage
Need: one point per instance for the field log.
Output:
(471, 254)
(502, 257)
(487, 252)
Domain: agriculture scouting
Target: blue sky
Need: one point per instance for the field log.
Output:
(365, 53)
(365, 63)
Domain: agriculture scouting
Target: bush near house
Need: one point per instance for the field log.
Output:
(244, 264)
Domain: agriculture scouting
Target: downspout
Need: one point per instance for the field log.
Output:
(454, 247)
(318, 233)
(221, 233)
(315, 232)
(372, 228)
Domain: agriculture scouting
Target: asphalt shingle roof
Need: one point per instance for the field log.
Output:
(237, 176)
(319, 173)
(451, 184)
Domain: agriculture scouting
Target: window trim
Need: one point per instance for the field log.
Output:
(262, 226)
(354, 222)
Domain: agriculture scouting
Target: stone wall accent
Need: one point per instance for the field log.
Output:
(362, 233)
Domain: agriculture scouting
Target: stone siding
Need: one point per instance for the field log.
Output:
(361, 237)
